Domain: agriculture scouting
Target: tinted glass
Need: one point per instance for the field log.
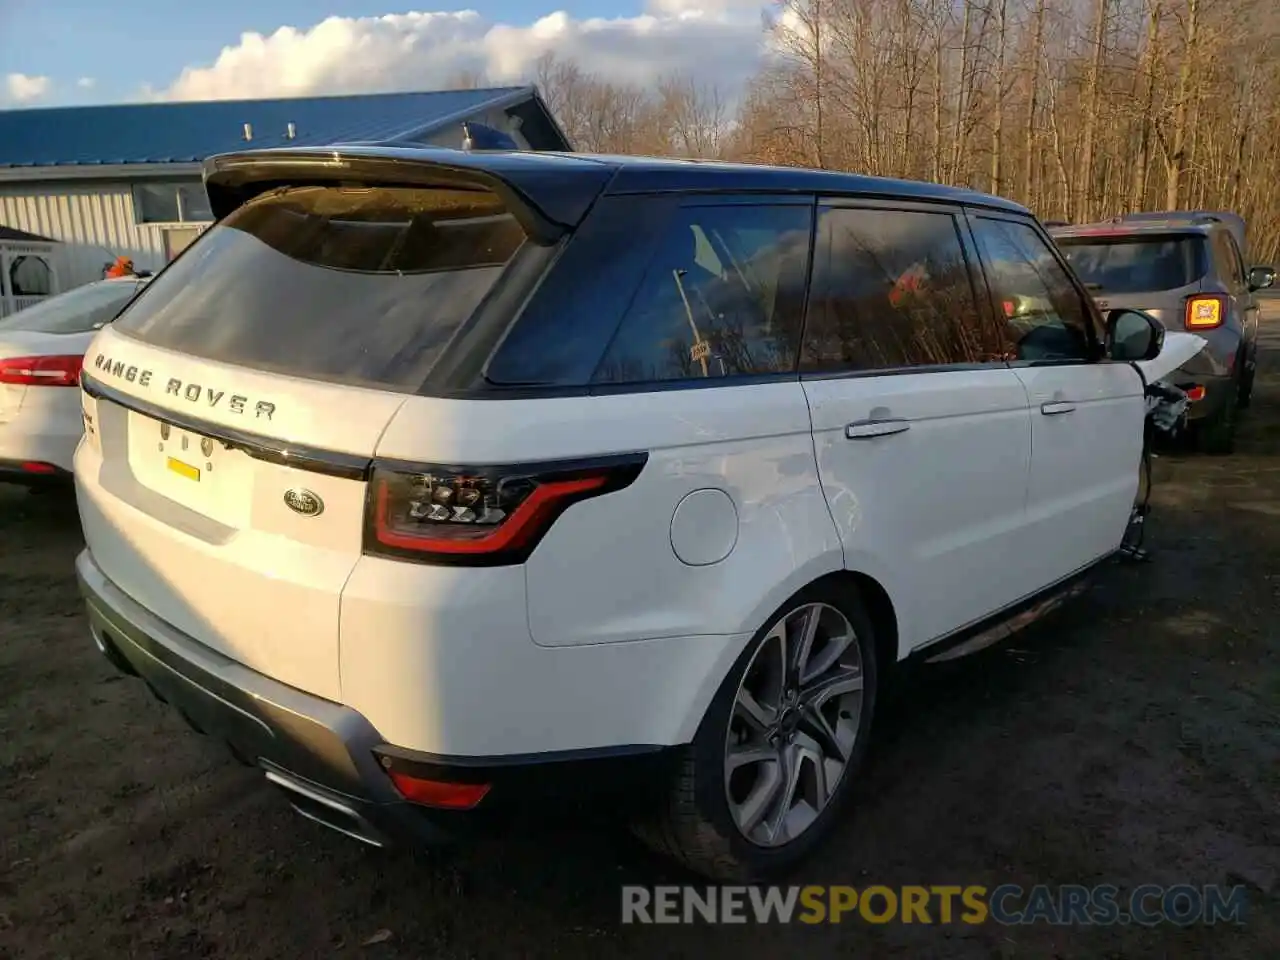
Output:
(360, 286)
(563, 330)
(1046, 316)
(1130, 265)
(76, 311)
(1227, 260)
(720, 298)
(892, 289)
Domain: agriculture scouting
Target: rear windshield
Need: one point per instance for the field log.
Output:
(76, 311)
(361, 286)
(1136, 265)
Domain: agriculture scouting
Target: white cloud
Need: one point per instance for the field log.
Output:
(86, 83)
(720, 41)
(21, 88)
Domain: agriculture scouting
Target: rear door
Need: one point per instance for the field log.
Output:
(233, 408)
(921, 429)
(1087, 414)
(1236, 280)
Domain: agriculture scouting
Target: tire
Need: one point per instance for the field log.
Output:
(1217, 435)
(699, 822)
(1246, 388)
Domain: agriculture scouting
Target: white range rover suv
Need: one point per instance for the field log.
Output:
(437, 482)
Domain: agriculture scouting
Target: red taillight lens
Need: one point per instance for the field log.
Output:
(41, 371)
(438, 793)
(481, 516)
(1206, 312)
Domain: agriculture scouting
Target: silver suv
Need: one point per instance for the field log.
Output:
(1187, 270)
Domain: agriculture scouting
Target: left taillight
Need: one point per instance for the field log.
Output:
(481, 516)
(61, 371)
(1206, 312)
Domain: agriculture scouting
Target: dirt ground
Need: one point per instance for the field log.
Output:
(1133, 738)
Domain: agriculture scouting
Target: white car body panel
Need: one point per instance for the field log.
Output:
(1178, 349)
(752, 442)
(924, 510)
(224, 559)
(440, 660)
(43, 424)
(40, 424)
(1087, 433)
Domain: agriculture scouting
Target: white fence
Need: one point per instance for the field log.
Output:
(29, 272)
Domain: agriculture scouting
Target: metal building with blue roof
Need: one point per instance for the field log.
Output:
(125, 178)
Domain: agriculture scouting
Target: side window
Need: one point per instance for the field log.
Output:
(1228, 260)
(1046, 317)
(721, 297)
(892, 289)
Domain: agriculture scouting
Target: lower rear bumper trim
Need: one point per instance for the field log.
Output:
(328, 759)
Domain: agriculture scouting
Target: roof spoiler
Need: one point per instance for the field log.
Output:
(1232, 221)
(548, 194)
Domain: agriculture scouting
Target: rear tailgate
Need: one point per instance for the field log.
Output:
(185, 502)
(1146, 270)
(232, 410)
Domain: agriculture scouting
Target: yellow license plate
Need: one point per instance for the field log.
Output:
(184, 469)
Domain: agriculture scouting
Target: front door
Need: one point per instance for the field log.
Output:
(921, 430)
(1087, 413)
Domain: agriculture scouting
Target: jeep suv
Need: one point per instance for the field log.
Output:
(433, 482)
(1188, 271)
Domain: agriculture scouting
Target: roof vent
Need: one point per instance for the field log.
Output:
(248, 131)
(291, 130)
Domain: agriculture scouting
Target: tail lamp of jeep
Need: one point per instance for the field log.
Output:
(1205, 312)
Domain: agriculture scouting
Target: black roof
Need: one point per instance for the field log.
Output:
(563, 185)
(644, 174)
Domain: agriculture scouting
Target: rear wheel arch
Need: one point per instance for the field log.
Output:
(884, 617)
(866, 589)
(876, 601)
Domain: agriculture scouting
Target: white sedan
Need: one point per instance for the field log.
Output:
(41, 351)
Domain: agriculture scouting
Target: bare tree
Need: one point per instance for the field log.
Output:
(1078, 108)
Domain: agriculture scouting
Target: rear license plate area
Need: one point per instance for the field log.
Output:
(197, 471)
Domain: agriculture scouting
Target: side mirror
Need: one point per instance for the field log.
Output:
(1133, 335)
(1261, 278)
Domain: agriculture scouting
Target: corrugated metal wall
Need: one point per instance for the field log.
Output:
(94, 220)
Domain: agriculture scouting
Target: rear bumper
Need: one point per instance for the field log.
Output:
(34, 473)
(1218, 391)
(329, 759)
(45, 430)
(35, 452)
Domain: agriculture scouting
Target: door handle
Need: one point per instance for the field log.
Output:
(1056, 408)
(868, 429)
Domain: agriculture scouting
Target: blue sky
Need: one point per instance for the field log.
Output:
(125, 47)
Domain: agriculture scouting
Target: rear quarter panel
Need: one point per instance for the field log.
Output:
(607, 571)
